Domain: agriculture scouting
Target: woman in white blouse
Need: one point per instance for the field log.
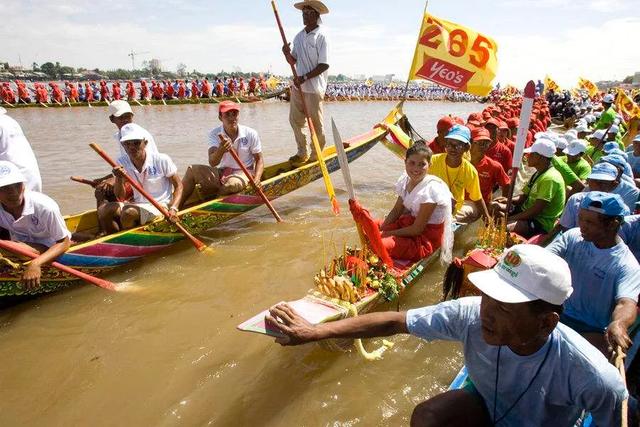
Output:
(420, 221)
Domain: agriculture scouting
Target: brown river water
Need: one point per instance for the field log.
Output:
(164, 351)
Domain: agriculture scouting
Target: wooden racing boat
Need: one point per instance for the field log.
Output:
(101, 255)
(174, 101)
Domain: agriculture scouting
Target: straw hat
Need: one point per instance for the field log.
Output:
(316, 5)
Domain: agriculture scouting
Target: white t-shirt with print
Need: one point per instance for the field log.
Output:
(41, 221)
(154, 177)
(247, 144)
(310, 49)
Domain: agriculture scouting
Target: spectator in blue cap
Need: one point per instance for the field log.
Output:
(619, 159)
(634, 159)
(630, 233)
(460, 175)
(626, 187)
(604, 273)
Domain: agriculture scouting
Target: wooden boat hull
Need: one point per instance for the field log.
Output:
(101, 255)
(174, 101)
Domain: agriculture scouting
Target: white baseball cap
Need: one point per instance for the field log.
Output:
(608, 98)
(119, 107)
(613, 129)
(132, 131)
(561, 143)
(599, 134)
(582, 128)
(526, 273)
(576, 147)
(10, 174)
(570, 135)
(543, 146)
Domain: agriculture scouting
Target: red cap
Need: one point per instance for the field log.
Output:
(479, 134)
(225, 106)
(493, 121)
(513, 122)
(503, 125)
(458, 120)
(445, 123)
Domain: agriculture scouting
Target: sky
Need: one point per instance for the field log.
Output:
(565, 39)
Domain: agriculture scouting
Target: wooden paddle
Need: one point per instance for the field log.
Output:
(83, 180)
(197, 243)
(312, 130)
(21, 250)
(254, 184)
(619, 364)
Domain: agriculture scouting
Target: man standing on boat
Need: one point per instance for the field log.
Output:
(223, 175)
(15, 148)
(525, 368)
(310, 57)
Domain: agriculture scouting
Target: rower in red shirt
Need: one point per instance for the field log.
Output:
(513, 128)
(104, 91)
(144, 90)
(503, 136)
(168, 89)
(231, 84)
(194, 89)
(253, 85)
(437, 144)
(181, 90)
(9, 94)
(158, 93)
(73, 92)
(490, 172)
(219, 88)
(115, 91)
(56, 93)
(497, 151)
(131, 91)
(242, 87)
(88, 93)
(205, 90)
(263, 84)
(23, 93)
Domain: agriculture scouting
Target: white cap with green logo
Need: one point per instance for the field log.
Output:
(526, 273)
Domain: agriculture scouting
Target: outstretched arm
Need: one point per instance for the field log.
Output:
(298, 331)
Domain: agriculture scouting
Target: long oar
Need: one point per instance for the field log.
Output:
(197, 243)
(312, 130)
(83, 180)
(346, 172)
(21, 250)
(254, 184)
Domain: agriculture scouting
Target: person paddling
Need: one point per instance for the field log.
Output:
(525, 368)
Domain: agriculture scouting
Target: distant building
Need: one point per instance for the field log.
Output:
(387, 78)
(636, 79)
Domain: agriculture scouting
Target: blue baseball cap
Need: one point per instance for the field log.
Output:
(459, 133)
(611, 145)
(615, 159)
(618, 152)
(605, 203)
(603, 172)
(637, 138)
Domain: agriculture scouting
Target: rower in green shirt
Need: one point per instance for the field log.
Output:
(608, 115)
(574, 159)
(595, 150)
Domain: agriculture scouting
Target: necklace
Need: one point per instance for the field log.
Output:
(495, 390)
(449, 182)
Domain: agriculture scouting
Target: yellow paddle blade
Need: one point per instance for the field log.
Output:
(325, 173)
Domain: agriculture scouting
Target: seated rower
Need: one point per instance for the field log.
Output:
(604, 272)
(420, 220)
(491, 174)
(595, 150)
(630, 234)
(626, 187)
(574, 152)
(33, 219)
(156, 173)
(634, 159)
(223, 175)
(546, 373)
(443, 126)
(120, 114)
(537, 208)
(460, 175)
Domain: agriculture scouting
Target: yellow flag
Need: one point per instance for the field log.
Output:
(550, 84)
(626, 106)
(588, 85)
(272, 82)
(454, 56)
(368, 82)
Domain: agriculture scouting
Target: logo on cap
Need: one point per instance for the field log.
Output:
(4, 170)
(512, 259)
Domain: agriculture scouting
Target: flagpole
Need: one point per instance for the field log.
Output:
(406, 87)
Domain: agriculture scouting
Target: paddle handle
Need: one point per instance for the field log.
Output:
(197, 243)
(619, 363)
(21, 250)
(83, 180)
(255, 186)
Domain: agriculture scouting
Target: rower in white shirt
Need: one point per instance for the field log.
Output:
(156, 173)
(33, 219)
